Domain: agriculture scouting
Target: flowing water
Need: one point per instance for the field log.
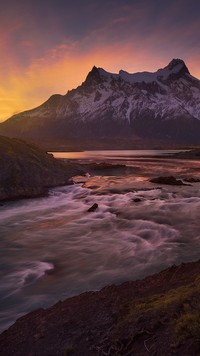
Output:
(52, 248)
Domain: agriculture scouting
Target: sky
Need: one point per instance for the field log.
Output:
(49, 46)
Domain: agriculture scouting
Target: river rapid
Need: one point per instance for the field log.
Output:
(52, 247)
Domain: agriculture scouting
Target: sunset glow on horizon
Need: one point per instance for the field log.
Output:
(49, 47)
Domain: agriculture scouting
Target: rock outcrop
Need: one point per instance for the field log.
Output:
(169, 180)
(93, 208)
(26, 171)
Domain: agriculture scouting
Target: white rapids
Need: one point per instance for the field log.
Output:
(52, 248)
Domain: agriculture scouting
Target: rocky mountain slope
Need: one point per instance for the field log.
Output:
(26, 171)
(164, 106)
(159, 315)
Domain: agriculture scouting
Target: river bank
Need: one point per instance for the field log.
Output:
(158, 315)
(26, 171)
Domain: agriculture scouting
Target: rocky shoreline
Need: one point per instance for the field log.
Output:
(27, 171)
(159, 315)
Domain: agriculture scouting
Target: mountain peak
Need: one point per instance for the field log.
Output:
(93, 75)
(174, 70)
(177, 65)
(94, 69)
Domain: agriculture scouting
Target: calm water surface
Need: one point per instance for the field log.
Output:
(110, 155)
(52, 248)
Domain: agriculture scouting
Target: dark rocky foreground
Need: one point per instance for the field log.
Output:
(26, 171)
(159, 315)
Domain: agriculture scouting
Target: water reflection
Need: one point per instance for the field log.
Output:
(117, 154)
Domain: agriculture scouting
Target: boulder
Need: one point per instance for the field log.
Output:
(192, 180)
(170, 180)
(93, 208)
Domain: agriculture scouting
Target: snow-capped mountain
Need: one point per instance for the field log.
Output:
(164, 105)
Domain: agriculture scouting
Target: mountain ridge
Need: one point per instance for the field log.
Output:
(176, 66)
(157, 106)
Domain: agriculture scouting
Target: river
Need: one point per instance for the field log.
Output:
(52, 248)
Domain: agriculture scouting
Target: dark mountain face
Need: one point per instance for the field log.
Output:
(163, 106)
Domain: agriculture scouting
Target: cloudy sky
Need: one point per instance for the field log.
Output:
(49, 46)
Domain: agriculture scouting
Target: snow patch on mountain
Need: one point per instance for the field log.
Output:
(174, 67)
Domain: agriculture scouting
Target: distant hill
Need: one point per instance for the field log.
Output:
(26, 171)
(119, 110)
